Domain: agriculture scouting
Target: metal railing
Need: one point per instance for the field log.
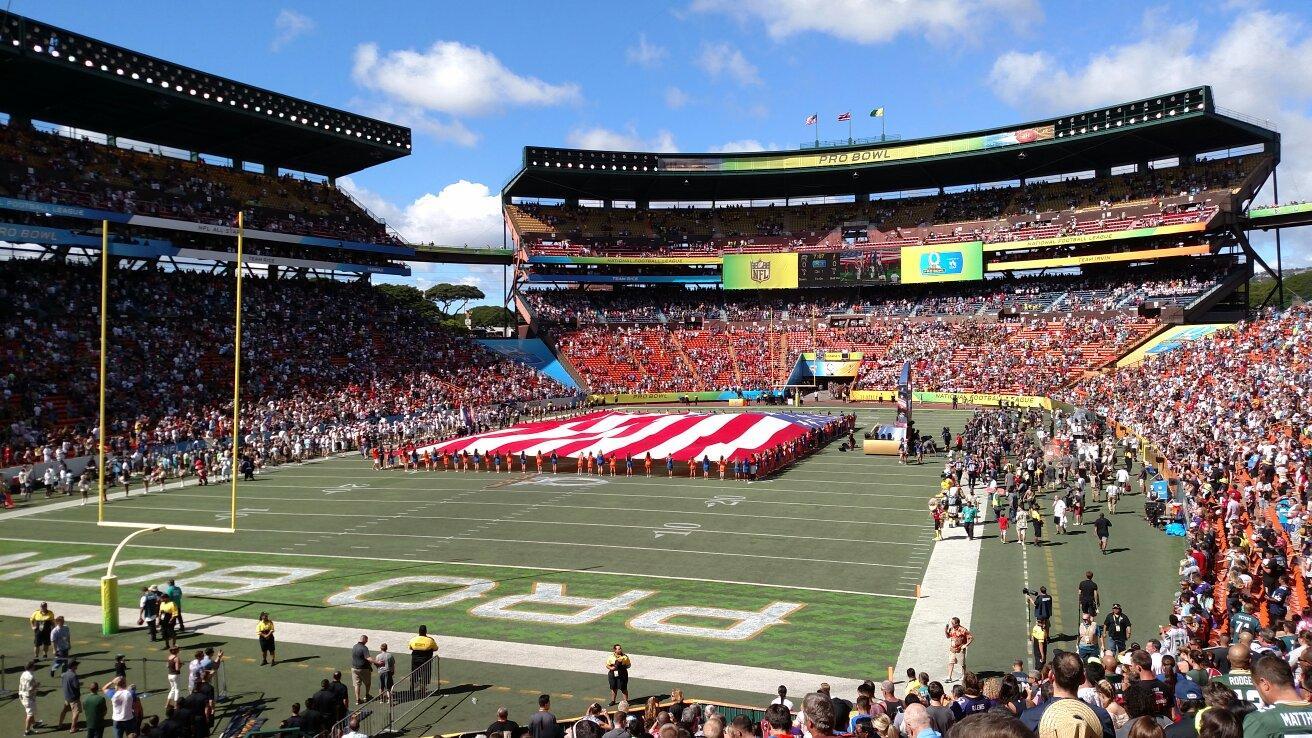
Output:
(840, 142)
(411, 693)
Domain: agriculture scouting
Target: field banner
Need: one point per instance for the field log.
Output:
(760, 271)
(945, 398)
(1171, 339)
(1071, 261)
(952, 263)
(862, 156)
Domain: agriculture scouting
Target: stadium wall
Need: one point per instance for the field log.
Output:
(945, 398)
(531, 352)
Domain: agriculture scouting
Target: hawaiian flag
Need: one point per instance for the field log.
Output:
(682, 435)
(844, 116)
(812, 119)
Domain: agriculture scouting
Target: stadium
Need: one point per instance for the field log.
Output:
(853, 418)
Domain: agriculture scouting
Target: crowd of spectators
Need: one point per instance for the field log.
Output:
(54, 168)
(1167, 195)
(322, 361)
(1051, 294)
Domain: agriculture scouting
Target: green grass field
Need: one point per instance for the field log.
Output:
(838, 542)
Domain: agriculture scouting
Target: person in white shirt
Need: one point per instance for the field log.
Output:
(121, 708)
(27, 686)
(1059, 514)
(354, 726)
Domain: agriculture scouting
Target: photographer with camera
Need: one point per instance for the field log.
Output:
(1041, 601)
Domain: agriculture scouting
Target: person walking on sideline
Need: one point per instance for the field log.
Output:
(96, 711)
(1101, 526)
(268, 647)
(27, 686)
(422, 650)
(362, 670)
(71, 687)
(959, 639)
(617, 672)
(42, 621)
(62, 641)
(386, 664)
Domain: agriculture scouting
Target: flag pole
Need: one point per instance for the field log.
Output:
(236, 379)
(817, 130)
(849, 130)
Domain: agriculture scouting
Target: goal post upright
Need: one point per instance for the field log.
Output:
(236, 380)
(109, 582)
(104, 341)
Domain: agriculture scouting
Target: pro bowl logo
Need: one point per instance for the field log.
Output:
(941, 263)
(760, 271)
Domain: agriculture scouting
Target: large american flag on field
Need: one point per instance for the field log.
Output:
(683, 435)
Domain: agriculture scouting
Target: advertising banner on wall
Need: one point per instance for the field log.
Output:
(858, 157)
(955, 263)
(1073, 261)
(760, 271)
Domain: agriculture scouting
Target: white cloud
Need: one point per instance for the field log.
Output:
(605, 139)
(462, 213)
(1257, 65)
(723, 59)
(675, 98)
(453, 78)
(746, 144)
(645, 53)
(450, 130)
(878, 21)
(289, 26)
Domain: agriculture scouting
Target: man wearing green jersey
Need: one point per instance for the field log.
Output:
(1239, 679)
(1242, 622)
(1284, 712)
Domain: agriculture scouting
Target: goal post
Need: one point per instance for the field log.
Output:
(109, 582)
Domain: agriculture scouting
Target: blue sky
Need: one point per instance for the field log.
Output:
(477, 82)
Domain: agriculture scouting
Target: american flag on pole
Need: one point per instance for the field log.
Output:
(844, 116)
(812, 119)
(682, 435)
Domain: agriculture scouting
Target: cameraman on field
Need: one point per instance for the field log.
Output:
(1041, 601)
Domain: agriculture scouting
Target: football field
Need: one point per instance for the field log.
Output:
(698, 569)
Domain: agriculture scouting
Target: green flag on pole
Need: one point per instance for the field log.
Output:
(877, 113)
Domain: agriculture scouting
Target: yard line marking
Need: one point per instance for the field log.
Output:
(576, 544)
(488, 521)
(527, 488)
(552, 569)
(522, 507)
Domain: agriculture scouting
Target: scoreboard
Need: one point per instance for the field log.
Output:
(817, 270)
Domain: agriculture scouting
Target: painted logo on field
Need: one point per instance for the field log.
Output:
(545, 603)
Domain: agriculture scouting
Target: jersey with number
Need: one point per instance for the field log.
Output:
(1280, 720)
(1241, 683)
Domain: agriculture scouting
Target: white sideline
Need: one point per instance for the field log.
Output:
(948, 591)
(674, 672)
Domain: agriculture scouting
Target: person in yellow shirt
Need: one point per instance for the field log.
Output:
(617, 672)
(264, 630)
(422, 650)
(168, 621)
(42, 622)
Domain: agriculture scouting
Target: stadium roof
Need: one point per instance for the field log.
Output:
(1169, 125)
(57, 76)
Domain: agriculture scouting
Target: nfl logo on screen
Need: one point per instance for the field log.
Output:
(760, 271)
